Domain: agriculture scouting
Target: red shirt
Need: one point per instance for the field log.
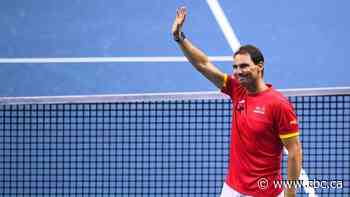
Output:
(259, 122)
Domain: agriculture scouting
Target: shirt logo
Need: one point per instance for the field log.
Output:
(259, 110)
(240, 105)
(293, 122)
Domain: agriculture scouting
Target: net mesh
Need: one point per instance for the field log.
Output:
(156, 148)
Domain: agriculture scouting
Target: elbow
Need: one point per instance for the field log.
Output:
(200, 62)
(295, 151)
(295, 156)
(201, 66)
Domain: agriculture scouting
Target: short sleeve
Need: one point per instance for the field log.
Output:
(229, 85)
(286, 120)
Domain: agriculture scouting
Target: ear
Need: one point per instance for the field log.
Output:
(261, 65)
(261, 68)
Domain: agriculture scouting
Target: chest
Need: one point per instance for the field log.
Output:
(253, 115)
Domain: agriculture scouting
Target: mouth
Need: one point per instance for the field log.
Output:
(242, 78)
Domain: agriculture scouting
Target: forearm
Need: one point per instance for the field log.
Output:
(201, 62)
(194, 55)
(293, 168)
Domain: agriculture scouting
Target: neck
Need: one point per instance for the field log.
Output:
(258, 86)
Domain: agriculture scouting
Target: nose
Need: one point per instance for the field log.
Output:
(238, 71)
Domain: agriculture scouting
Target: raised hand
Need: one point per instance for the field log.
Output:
(178, 23)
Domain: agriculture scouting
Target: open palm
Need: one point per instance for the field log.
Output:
(179, 21)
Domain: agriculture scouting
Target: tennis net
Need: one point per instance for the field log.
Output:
(153, 144)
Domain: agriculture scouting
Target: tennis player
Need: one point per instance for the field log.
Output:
(263, 121)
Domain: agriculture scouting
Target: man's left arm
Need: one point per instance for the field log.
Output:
(293, 146)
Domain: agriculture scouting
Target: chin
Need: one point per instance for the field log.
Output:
(244, 84)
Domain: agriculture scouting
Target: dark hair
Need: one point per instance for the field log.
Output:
(255, 53)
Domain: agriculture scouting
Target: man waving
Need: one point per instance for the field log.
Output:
(263, 120)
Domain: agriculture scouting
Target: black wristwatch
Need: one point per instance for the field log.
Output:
(180, 38)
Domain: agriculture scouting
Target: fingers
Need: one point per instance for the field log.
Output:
(181, 12)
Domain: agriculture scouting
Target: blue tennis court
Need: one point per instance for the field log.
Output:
(304, 44)
(101, 145)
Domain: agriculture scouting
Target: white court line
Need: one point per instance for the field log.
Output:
(234, 43)
(224, 24)
(107, 59)
(216, 10)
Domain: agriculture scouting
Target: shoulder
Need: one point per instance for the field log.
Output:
(232, 81)
(232, 87)
(279, 103)
(277, 98)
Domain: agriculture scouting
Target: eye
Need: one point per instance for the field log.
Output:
(234, 66)
(244, 65)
